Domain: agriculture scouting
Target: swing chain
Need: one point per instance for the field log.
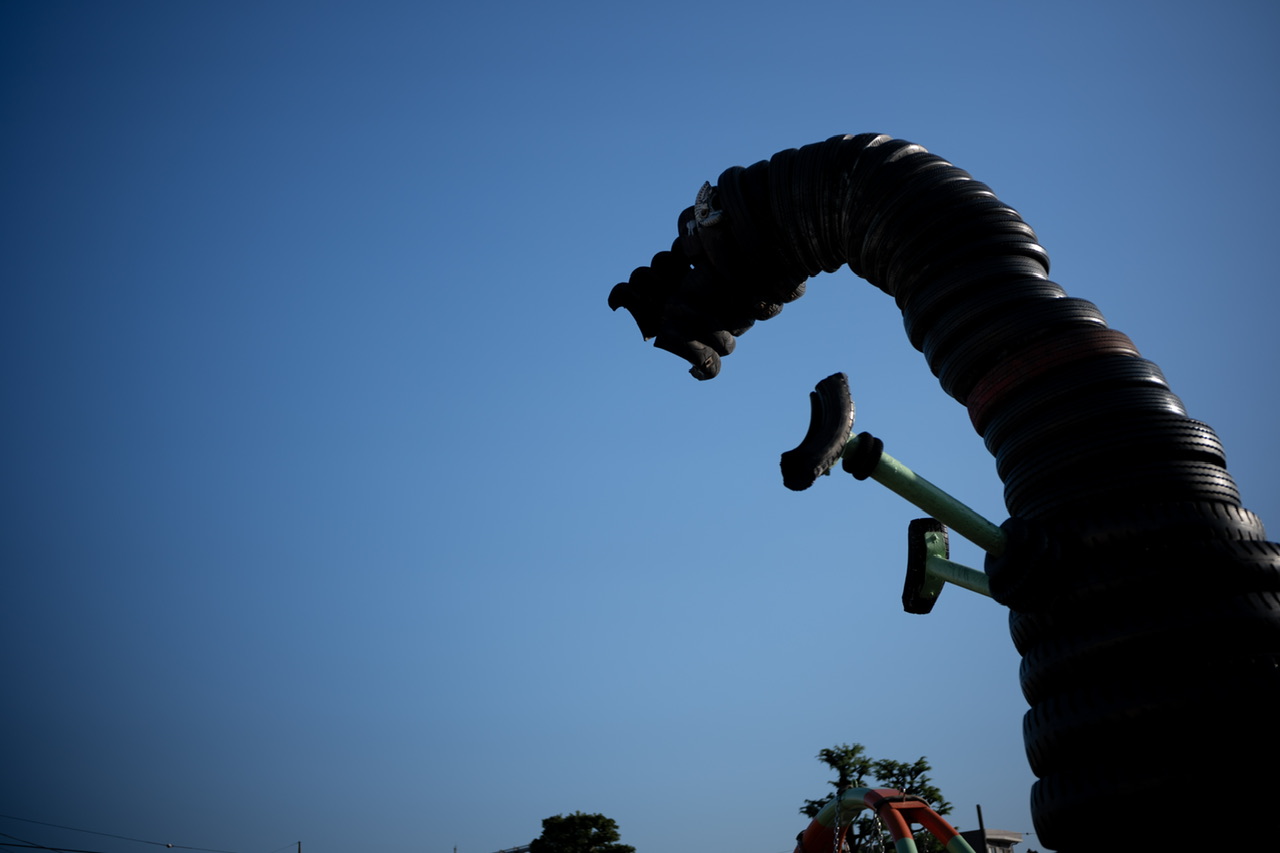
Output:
(835, 843)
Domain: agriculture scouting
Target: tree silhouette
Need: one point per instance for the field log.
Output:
(579, 833)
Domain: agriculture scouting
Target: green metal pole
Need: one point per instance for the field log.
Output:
(960, 575)
(900, 479)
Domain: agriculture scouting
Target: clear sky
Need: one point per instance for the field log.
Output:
(337, 507)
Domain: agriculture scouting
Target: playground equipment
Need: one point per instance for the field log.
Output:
(1142, 596)
(897, 812)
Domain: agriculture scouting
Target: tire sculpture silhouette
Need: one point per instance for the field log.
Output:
(1144, 600)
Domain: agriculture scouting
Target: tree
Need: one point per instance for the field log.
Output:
(855, 769)
(579, 833)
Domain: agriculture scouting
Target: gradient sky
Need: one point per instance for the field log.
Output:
(337, 506)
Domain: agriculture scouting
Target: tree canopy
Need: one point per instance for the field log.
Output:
(855, 769)
(579, 833)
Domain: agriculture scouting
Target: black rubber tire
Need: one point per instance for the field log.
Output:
(1172, 524)
(1062, 410)
(1107, 807)
(913, 276)
(941, 325)
(1052, 590)
(959, 367)
(830, 189)
(1073, 464)
(1040, 364)
(917, 564)
(1096, 562)
(1116, 489)
(910, 208)
(861, 181)
(821, 210)
(830, 426)
(1051, 404)
(1140, 718)
(1160, 638)
(1072, 813)
(796, 200)
(1012, 252)
(851, 166)
(913, 212)
(753, 185)
(1078, 439)
(878, 173)
(956, 303)
(805, 206)
(753, 244)
(781, 177)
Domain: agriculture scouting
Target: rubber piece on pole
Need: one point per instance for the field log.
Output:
(1027, 572)
(913, 599)
(861, 462)
(830, 424)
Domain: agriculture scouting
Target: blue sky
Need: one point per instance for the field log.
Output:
(337, 507)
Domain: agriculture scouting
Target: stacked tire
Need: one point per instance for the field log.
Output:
(1154, 670)
(1144, 600)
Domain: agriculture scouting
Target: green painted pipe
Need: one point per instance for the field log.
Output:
(960, 575)
(900, 479)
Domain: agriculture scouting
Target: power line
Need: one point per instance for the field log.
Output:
(43, 847)
(26, 843)
(108, 835)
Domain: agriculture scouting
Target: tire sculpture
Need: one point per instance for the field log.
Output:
(1144, 600)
